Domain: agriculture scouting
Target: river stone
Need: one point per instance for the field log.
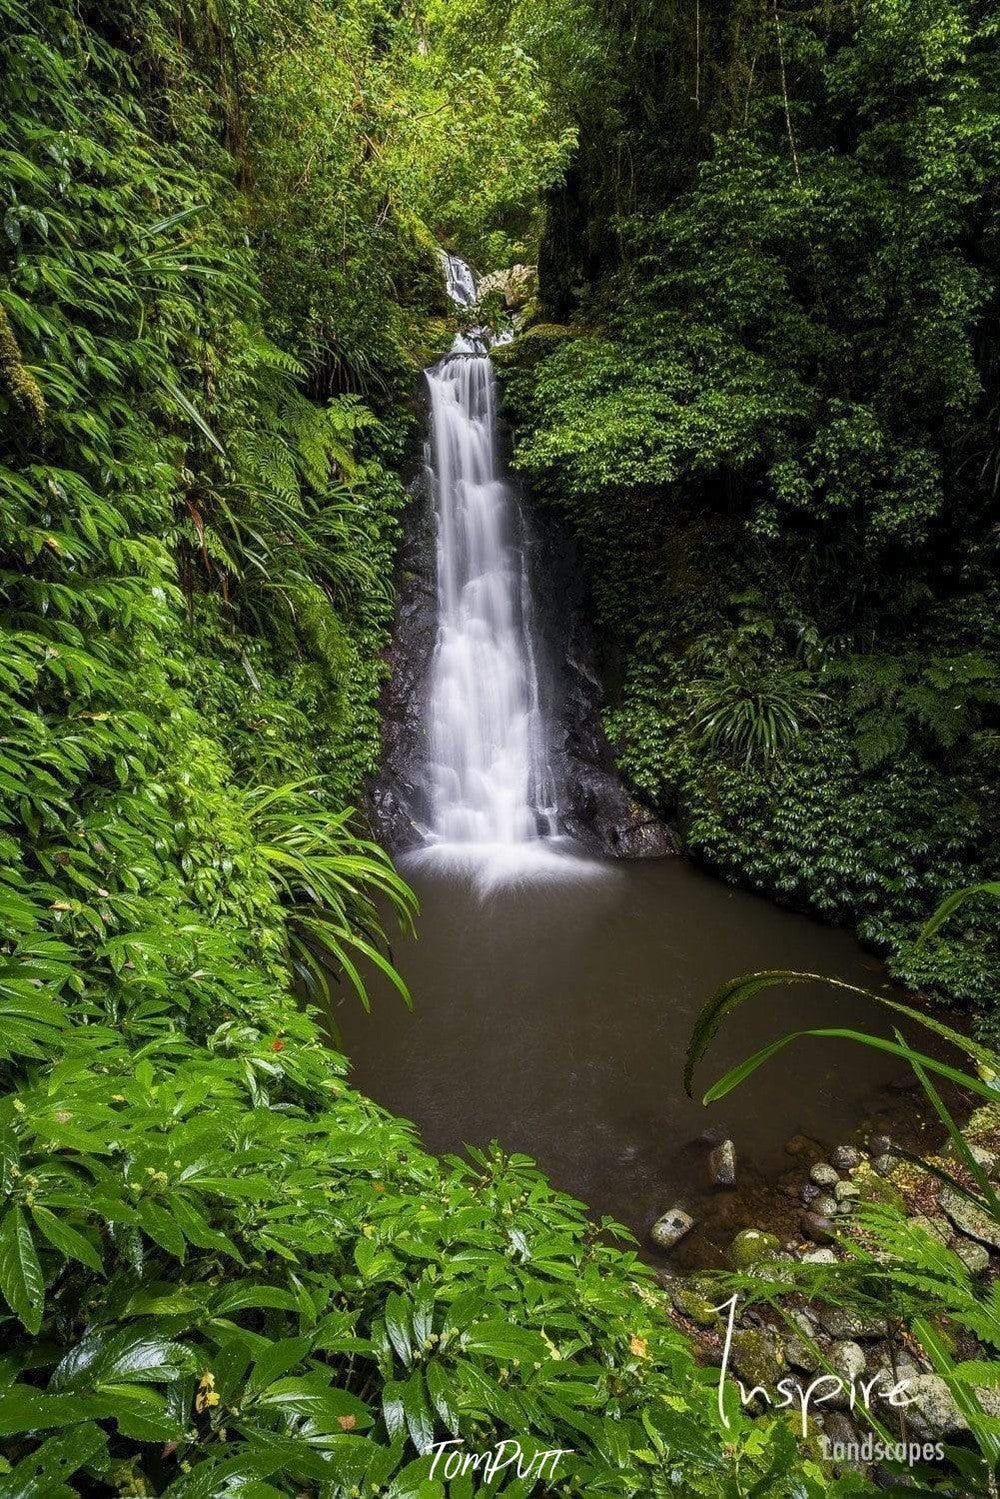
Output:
(890, 1375)
(823, 1175)
(845, 1158)
(819, 1257)
(752, 1247)
(756, 1357)
(848, 1362)
(722, 1164)
(931, 1410)
(970, 1220)
(879, 1145)
(691, 1304)
(847, 1325)
(671, 1228)
(825, 1206)
(820, 1230)
(886, 1164)
(801, 1356)
(844, 1191)
(841, 1432)
(981, 1156)
(974, 1256)
(809, 1192)
(936, 1227)
(802, 1145)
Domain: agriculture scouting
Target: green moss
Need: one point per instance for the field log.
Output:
(700, 1310)
(530, 346)
(751, 1247)
(756, 1358)
(18, 383)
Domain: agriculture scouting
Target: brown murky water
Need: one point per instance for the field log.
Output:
(555, 1016)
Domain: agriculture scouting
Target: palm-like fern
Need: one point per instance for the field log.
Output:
(330, 881)
(897, 698)
(753, 712)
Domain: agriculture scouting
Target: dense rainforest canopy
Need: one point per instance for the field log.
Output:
(760, 380)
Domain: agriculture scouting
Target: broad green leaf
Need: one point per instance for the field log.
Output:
(66, 1239)
(311, 1396)
(129, 1356)
(442, 1393)
(20, 1272)
(397, 1322)
(419, 1422)
(157, 1222)
(43, 1473)
(506, 1341)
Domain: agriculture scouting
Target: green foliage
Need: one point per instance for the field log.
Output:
(897, 700)
(242, 1267)
(221, 1269)
(745, 707)
(324, 873)
(778, 380)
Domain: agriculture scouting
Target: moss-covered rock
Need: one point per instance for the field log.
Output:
(691, 1303)
(530, 346)
(757, 1357)
(876, 1188)
(752, 1247)
(16, 382)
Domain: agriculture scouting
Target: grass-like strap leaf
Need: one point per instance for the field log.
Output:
(736, 992)
(193, 412)
(950, 905)
(743, 1070)
(964, 1154)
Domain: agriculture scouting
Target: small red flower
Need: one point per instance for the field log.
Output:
(277, 1045)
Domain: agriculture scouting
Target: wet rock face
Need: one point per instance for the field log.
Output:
(517, 284)
(598, 812)
(396, 799)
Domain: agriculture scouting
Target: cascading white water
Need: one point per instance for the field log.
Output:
(490, 782)
(459, 281)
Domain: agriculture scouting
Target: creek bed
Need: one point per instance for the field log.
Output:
(554, 1016)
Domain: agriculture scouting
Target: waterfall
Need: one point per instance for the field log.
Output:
(459, 281)
(490, 784)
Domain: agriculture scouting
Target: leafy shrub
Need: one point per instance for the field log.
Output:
(751, 712)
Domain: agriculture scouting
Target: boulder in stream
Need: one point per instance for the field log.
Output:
(722, 1164)
(970, 1220)
(669, 1229)
(817, 1228)
(752, 1247)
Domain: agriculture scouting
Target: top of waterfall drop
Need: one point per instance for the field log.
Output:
(460, 282)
